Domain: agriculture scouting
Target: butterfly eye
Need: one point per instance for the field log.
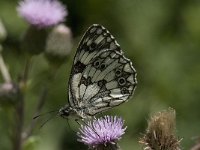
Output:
(121, 81)
(102, 66)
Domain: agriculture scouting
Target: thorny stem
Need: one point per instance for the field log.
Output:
(19, 109)
(40, 104)
(17, 144)
(4, 70)
(20, 137)
(26, 69)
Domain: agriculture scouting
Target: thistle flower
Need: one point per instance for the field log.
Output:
(42, 13)
(160, 134)
(102, 133)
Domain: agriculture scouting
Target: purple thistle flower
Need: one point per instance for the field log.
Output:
(42, 13)
(103, 131)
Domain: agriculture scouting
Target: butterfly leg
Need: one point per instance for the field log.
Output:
(77, 121)
(90, 126)
(70, 126)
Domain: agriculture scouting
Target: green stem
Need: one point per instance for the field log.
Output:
(4, 70)
(27, 69)
(18, 124)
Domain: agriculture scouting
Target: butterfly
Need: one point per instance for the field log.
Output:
(101, 76)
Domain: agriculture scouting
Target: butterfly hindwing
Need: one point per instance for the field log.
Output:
(107, 81)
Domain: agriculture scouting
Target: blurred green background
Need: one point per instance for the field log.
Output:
(162, 38)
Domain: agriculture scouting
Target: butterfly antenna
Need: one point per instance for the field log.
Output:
(49, 112)
(50, 118)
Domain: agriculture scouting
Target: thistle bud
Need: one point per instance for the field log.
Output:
(59, 43)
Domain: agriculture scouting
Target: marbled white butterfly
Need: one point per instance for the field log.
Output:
(101, 76)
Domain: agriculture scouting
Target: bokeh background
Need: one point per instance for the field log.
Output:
(162, 38)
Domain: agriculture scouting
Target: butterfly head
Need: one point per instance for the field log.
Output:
(66, 111)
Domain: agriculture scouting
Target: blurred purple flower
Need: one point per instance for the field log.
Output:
(102, 131)
(42, 13)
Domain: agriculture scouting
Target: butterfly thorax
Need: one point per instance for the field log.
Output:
(68, 111)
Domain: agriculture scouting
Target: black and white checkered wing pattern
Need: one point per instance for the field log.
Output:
(107, 81)
(95, 40)
(102, 77)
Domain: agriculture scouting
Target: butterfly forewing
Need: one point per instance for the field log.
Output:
(101, 77)
(95, 39)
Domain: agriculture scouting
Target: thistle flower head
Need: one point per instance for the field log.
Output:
(42, 13)
(103, 131)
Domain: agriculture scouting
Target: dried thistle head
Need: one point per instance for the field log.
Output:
(160, 134)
